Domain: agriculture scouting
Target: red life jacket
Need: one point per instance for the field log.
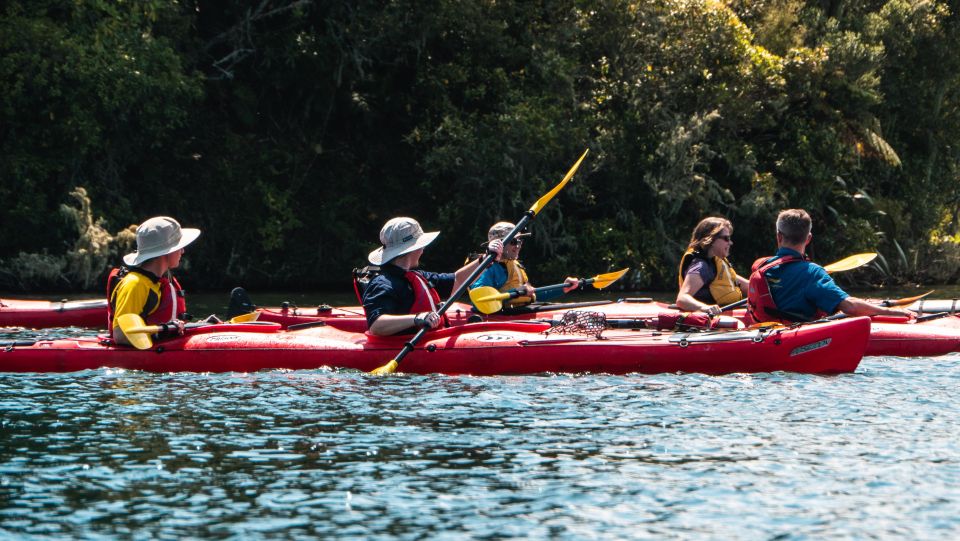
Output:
(425, 298)
(760, 304)
(171, 305)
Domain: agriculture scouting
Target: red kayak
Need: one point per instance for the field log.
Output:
(481, 349)
(42, 314)
(888, 336)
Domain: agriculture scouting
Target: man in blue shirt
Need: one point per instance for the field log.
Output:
(788, 287)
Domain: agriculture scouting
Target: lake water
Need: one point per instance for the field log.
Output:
(113, 454)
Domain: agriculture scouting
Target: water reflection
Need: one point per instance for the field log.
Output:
(337, 454)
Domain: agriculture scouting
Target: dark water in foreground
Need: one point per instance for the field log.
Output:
(118, 454)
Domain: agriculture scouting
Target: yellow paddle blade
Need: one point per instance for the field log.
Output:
(853, 262)
(487, 299)
(765, 325)
(601, 281)
(244, 318)
(136, 330)
(906, 300)
(386, 369)
(486, 294)
(542, 202)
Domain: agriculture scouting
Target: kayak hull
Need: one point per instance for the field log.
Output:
(483, 349)
(889, 336)
(43, 314)
(900, 339)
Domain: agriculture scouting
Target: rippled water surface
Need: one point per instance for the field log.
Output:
(130, 455)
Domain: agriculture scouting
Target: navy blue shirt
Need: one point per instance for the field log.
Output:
(706, 271)
(803, 287)
(390, 292)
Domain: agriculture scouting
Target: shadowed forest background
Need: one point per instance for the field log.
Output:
(289, 131)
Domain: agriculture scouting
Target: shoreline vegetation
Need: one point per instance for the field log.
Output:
(289, 131)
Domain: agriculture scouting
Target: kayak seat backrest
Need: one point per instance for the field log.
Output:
(361, 279)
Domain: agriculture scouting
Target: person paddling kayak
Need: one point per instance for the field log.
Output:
(144, 285)
(788, 287)
(401, 297)
(508, 274)
(707, 278)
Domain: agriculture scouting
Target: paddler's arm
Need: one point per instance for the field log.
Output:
(692, 283)
(389, 325)
(852, 306)
(744, 284)
(495, 247)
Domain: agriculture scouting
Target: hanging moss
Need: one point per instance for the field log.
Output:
(82, 267)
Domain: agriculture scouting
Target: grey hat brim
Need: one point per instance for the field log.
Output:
(384, 255)
(187, 235)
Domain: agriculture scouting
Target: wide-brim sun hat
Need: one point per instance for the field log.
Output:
(159, 236)
(400, 236)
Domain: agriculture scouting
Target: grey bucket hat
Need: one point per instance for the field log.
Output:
(159, 236)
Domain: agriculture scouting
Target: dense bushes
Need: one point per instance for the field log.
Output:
(289, 131)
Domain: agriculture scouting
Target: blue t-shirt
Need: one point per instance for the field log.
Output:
(390, 293)
(800, 288)
(496, 275)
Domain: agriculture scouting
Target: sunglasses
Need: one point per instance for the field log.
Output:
(723, 237)
(516, 242)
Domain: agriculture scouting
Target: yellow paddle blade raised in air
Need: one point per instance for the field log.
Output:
(853, 262)
(391, 366)
(136, 330)
(542, 202)
(601, 281)
(487, 299)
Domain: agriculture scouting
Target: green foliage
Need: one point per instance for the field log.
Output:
(84, 265)
(88, 94)
(289, 131)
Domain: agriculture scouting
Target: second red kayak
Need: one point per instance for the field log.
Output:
(888, 336)
(43, 314)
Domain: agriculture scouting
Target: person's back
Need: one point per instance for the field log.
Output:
(788, 288)
(801, 290)
(397, 291)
